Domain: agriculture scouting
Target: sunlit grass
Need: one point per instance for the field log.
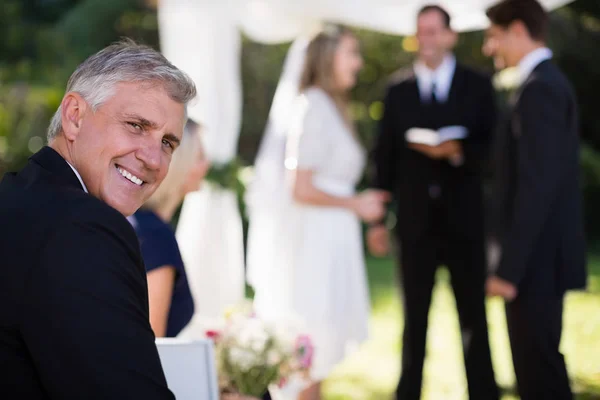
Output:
(372, 372)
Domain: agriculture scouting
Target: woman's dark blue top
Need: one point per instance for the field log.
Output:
(159, 248)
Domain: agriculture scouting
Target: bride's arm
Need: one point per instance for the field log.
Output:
(307, 193)
(368, 205)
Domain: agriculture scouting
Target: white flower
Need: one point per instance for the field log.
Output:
(507, 79)
(253, 335)
(243, 358)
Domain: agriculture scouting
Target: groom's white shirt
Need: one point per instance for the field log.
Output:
(78, 177)
(532, 60)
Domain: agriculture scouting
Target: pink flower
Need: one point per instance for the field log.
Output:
(304, 351)
(214, 335)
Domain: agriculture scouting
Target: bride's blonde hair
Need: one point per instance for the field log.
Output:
(318, 67)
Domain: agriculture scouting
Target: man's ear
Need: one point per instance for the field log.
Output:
(519, 29)
(452, 40)
(73, 108)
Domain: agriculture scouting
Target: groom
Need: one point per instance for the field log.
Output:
(543, 247)
(73, 295)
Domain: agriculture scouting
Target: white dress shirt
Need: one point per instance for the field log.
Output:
(78, 177)
(532, 60)
(441, 77)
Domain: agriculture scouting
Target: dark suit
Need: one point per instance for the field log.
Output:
(73, 294)
(542, 237)
(440, 218)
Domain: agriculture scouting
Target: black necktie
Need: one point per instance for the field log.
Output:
(433, 96)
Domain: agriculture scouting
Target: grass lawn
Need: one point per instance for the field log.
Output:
(372, 372)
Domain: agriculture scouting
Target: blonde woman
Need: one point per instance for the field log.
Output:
(170, 299)
(328, 286)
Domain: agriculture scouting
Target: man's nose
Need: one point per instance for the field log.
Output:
(150, 154)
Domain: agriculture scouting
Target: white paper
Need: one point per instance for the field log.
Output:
(431, 137)
(423, 136)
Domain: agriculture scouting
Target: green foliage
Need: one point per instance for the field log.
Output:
(575, 36)
(590, 167)
(24, 115)
(261, 67)
(227, 176)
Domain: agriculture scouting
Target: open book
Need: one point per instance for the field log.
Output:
(435, 138)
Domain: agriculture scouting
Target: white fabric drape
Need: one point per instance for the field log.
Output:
(203, 40)
(273, 21)
(266, 198)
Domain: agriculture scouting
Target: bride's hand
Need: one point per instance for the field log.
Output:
(370, 205)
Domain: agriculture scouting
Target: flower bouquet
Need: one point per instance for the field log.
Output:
(253, 354)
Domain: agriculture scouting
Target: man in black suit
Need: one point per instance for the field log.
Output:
(438, 190)
(73, 297)
(542, 239)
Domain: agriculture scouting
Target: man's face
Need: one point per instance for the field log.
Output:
(501, 44)
(434, 37)
(123, 149)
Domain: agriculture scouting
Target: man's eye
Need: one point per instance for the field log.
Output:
(135, 125)
(168, 144)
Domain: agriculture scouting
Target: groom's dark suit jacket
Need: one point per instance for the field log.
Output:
(73, 293)
(540, 222)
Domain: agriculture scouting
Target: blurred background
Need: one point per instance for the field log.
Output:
(44, 40)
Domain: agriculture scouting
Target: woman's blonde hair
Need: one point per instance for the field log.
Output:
(183, 159)
(318, 66)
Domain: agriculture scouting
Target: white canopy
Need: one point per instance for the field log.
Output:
(202, 37)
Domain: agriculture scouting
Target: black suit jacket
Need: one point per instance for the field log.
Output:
(539, 190)
(73, 294)
(409, 174)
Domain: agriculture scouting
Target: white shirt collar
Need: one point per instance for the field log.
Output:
(442, 76)
(78, 177)
(132, 221)
(532, 60)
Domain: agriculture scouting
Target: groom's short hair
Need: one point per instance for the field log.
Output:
(529, 12)
(125, 61)
(434, 7)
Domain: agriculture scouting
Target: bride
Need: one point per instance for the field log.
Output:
(319, 272)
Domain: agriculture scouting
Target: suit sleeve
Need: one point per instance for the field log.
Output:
(477, 145)
(87, 327)
(540, 117)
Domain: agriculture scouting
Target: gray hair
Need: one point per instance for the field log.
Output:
(125, 61)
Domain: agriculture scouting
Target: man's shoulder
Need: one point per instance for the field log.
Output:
(401, 79)
(48, 207)
(547, 82)
(550, 77)
(473, 74)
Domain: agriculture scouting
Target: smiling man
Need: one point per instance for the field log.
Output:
(73, 295)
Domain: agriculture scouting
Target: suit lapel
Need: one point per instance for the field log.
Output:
(455, 84)
(414, 85)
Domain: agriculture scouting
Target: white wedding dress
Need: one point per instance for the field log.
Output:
(315, 268)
